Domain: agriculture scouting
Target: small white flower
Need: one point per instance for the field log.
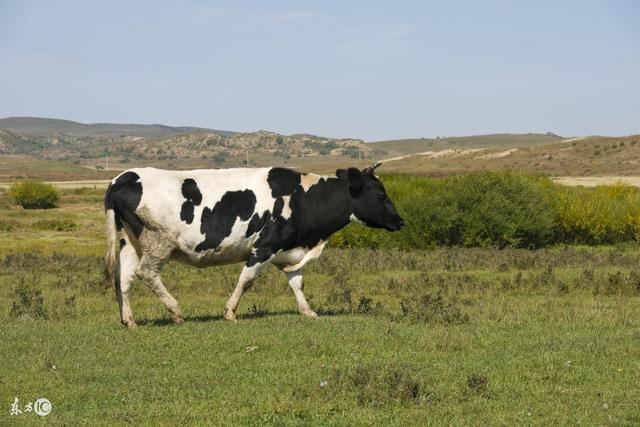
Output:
(324, 383)
(605, 406)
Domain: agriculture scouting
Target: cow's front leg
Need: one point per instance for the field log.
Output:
(297, 284)
(248, 275)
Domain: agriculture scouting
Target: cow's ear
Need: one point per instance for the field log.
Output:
(356, 181)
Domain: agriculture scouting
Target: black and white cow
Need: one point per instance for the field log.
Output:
(215, 217)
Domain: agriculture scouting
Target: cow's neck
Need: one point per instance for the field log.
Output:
(326, 210)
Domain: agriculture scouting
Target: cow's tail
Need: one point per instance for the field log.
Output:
(110, 257)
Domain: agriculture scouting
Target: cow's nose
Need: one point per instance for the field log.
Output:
(401, 223)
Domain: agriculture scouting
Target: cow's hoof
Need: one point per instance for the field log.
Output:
(230, 316)
(309, 313)
(129, 323)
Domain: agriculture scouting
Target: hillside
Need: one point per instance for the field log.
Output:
(89, 145)
(83, 151)
(38, 126)
(417, 145)
(588, 156)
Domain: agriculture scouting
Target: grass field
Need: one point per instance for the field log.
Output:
(449, 336)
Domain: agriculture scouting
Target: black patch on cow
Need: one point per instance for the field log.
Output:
(123, 196)
(122, 243)
(186, 212)
(192, 193)
(282, 181)
(278, 205)
(216, 223)
(257, 223)
(315, 215)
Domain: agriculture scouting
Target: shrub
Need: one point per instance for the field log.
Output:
(500, 209)
(482, 209)
(607, 214)
(34, 195)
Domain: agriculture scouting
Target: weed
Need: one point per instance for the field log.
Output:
(367, 307)
(28, 303)
(373, 385)
(433, 308)
(55, 225)
(256, 311)
(478, 384)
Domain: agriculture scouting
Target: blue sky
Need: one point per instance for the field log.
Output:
(366, 69)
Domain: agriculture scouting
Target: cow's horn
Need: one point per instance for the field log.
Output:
(372, 167)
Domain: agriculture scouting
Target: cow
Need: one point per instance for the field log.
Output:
(213, 217)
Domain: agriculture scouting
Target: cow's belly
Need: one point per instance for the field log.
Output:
(234, 248)
(219, 256)
(294, 259)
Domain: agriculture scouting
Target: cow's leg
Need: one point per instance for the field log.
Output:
(248, 275)
(125, 270)
(148, 271)
(297, 284)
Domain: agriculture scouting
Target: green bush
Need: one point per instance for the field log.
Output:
(501, 209)
(34, 195)
(607, 214)
(482, 209)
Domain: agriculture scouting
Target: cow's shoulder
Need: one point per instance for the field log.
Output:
(283, 181)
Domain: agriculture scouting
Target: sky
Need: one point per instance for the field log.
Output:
(365, 69)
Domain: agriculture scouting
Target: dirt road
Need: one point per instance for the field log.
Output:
(594, 181)
(98, 183)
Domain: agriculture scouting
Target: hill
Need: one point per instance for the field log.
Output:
(83, 151)
(127, 145)
(588, 156)
(38, 126)
(409, 146)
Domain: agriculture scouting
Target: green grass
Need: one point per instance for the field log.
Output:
(486, 336)
(13, 167)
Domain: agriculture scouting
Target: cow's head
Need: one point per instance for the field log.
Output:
(371, 205)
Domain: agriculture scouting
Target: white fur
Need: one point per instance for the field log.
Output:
(355, 220)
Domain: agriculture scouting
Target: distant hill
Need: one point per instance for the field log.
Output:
(77, 150)
(417, 145)
(165, 146)
(584, 156)
(38, 126)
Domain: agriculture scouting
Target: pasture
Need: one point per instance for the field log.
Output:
(445, 336)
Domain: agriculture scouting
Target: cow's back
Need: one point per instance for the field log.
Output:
(199, 211)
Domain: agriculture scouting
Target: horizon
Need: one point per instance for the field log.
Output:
(360, 70)
(302, 133)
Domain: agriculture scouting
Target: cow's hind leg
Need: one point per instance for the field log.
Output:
(248, 275)
(149, 272)
(125, 270)
(296, 283)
